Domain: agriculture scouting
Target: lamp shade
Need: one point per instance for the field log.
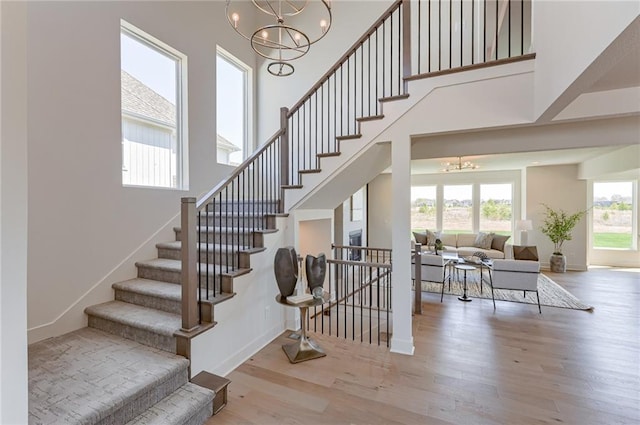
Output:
(524, 225)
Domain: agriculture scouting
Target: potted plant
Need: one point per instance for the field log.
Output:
(557, 225)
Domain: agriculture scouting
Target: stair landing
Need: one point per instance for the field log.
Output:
(92, 377)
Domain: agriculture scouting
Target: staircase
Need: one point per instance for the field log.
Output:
(123, 368)
(127, 365)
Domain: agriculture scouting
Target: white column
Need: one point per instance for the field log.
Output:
(13, 220)
(402, 339)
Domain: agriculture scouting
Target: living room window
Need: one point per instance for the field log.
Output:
(424, 208)
(614, 212)
(496, 208)
(457, 209)
(153, 102)
(232, 108)
(487, 205)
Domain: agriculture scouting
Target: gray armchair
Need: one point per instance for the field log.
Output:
(432, 269)
(517, 275)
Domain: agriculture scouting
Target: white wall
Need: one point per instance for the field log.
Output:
(583, 28)
(83, 225)
(248, 321)
(380, 211)
(557, 186)
(13, 217)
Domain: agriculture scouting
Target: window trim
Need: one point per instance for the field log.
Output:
(476, 179)
(182, 126)
(635, 230)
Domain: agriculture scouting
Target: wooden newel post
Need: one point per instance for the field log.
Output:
(284, 154)
(189, 239)
(417, 283)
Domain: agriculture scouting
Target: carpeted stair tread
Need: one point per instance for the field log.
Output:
(177, 245)
(135, 316)
(169, 265)
(222, 230)
(154, 288)
(189, 405)
(89, 376)
(165, 290)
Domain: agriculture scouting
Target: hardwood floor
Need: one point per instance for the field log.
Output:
(471, 366)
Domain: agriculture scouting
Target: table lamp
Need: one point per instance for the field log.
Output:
(523, 226)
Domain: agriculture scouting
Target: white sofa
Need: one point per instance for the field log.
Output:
(463, 244)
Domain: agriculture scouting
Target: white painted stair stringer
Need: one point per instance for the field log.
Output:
(362, 159)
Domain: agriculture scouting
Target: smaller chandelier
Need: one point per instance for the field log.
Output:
(282, 31)
(459, 166)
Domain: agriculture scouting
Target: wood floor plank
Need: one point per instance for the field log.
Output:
(472, 365)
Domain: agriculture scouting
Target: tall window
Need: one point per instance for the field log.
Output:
(423, 208)
(614, 204)
(457, 211)
(153, 111)
(496, 208)
(232, 106)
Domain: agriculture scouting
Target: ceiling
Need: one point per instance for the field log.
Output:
(512, 161)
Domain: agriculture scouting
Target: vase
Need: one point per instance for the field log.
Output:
(316, 270)
(286, 269)
(558, 263)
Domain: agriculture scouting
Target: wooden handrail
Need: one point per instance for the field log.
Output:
(360, 263)
(361, 247)
(245, 164)
(346, 56)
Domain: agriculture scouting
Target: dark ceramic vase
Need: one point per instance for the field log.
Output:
(286, 270)
(316, 269)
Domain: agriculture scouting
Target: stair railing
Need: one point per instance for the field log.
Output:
(217, 229)
(373, 68)
(360, 290)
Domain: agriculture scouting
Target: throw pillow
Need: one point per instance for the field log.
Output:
(499, 241)
(420, 238)
(431, 237)
(483, 240)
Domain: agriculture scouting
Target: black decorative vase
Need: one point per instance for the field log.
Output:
(285, 267)
(316, 269)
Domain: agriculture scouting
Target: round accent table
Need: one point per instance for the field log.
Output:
(465, 268)
(304, 349)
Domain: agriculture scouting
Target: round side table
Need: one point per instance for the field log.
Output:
(465, 268)
(304, 348)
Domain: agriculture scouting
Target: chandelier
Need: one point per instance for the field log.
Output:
(459, 166)
(283, 29)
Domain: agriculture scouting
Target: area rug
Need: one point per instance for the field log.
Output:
(551, 294)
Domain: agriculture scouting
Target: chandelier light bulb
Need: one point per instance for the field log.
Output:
(235, 17)
(265, 35)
